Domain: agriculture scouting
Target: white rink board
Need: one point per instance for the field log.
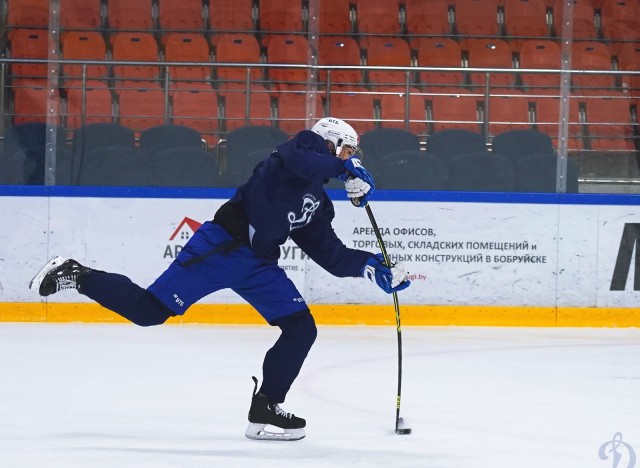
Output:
(457, 253)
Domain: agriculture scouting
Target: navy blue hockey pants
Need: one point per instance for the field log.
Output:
(260, 282)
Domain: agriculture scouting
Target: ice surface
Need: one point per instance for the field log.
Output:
(74, 395)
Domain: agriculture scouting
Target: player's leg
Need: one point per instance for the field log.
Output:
(282, 363)
(280, 303)
(121, 295)
(171, 294)
(112, 291)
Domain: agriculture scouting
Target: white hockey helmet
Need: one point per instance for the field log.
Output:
(338, 132)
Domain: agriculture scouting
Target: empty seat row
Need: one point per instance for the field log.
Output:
(133, 16)
(164, 156)
(110, 154)
(335, 16)
(104, 154)
(521, 160)
(607, 120)
(243, 49)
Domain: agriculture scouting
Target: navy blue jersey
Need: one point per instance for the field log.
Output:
(285, 197)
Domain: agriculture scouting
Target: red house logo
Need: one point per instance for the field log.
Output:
(180, 236)
(185, 229)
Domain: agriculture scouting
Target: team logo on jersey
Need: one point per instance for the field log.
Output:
(309, 207)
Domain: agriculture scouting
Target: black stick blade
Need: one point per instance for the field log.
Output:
(401, 429)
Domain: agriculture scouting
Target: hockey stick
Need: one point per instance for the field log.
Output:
(400, 429)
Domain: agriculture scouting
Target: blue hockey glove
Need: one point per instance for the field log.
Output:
(358, 182)
(354, 169)
(390, 280)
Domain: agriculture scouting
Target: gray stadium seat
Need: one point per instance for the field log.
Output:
(27, 166)
(246, 139)
(245, 146)
(239, 169)
(448, 144)
(182, 167)
(378, 144)
(114, 166)
(4, 170)
(164, 137)
(519, 143)
(481, 172)
(95, 136)
(537, 173)
(412, 170)
(29, 135)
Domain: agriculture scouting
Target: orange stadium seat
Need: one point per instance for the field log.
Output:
(334, 50)
(620, 21)
(197, 109)
(426, 18)
(98, 109)
(141, 47)
(180, 15)
(608, 121)
(508, 113)
(27, 14)
(230, 17)
(235, 108)
(292, 50)
(455, 111)
(391, 52)
(477, 18)
(188, 47)
(525, 19)
(491, 53)
(547, 117)
(29, 44)
(30, 103)
(141, 108)
(591, 56)
(355, 106)
(84, 45)
(127, 15)
(284, 16)
(629, 59)
(237, 48)
(583, 19)
(292, 112)
(540, 54)
(629, 56)
(393, 112)
(335, 17)
(80, 14)
(377, 18)
(440, 53)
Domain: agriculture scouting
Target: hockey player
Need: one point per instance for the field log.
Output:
(239, 249)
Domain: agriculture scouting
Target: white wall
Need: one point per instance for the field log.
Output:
(457, 253)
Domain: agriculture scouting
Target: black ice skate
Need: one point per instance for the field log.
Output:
(58, 274)
(265, 412)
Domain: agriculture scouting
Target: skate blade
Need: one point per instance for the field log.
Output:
(37, 280)
(256, 431)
